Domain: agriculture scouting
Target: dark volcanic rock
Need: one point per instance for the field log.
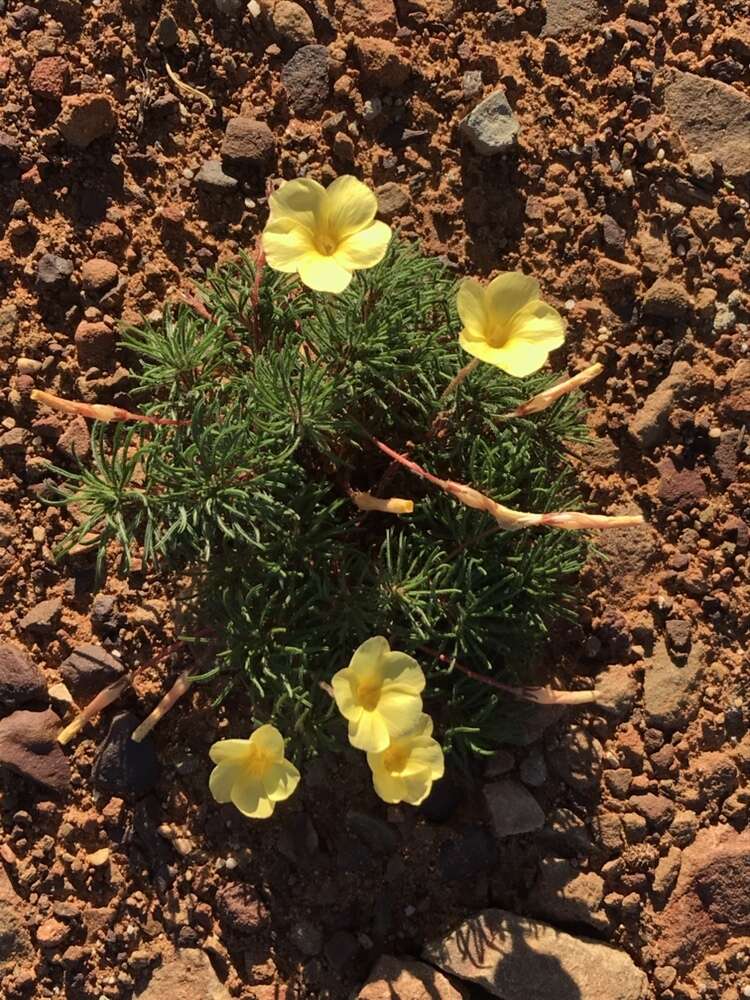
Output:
(123, 767)
(90, 668)
(43, 618)
(306, 80)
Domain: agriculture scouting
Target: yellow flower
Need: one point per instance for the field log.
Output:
(324, 234)
(406, 770)
(252, 774)
(379, 693)
(507, 324)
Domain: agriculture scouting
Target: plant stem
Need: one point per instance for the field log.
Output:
(94, 707)
(178, 689)
(458, 378)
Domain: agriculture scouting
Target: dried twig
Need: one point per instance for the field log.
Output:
(390, 505)
(546, 398)
(186, 88)
(94, 707)
(178, 689)
(512, 520)
(100, 411)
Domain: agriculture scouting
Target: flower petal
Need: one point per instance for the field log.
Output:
(399, 710)
(472, 308)
(367, 660)
(402, 670)
(507, 293)
(344, 693)
(249, 795)
(350, 206)
(229, 750)
(369, 732)
(280, 780)
(428, 759)
(285, 243)
(323, 274)
(365, 248)
(223, 778)
(270, 741)
(518, 357)
(302, 201)
(388, 788)
(540, 323)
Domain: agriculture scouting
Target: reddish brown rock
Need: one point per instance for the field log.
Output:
(737, 404)
(248, 145)
(682, 488)
(52, 933)
(49, 78)
(28, 746)
(98, 275)
(404, 979)
(21, 680)
(240, 908)
(85, 118)
(367, 17)
(382, 64)
(95, 344)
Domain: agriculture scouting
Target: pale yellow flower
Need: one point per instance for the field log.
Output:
(405, 771)
(379, 693)
(507, 324)
(253, 774)
(324, 234)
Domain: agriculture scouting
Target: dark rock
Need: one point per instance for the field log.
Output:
(306, 80)
(726, 456)
(444, 798)
(88, 669)
(613, 235)
(341, 950)
(567, 896)
(211, 177)
(28, 746)
(85, 118)
(53, 273)
(240, 908)
(307, 938)
(678, 634)
(24, 18)
(467, 854)
(377, 835)
(43, 618)
(577, 759)
(104, 614)
(533, 769)
(492, 127)
(682, 488)
(248, 146)
(21, 680)
(123, 767)
(512, 808)
(165, 32)
(657, 810)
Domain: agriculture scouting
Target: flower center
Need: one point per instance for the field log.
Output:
(395, 758)
(368, 695)
(497, 335)
(325, 244)
(257, 761)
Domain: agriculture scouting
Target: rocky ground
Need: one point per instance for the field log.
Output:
(604, 148)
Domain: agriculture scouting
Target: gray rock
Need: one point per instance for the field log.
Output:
(52, 273)
(577, 759)
(492, 127)
(28, 746)
(711, 116)
(211, 177)
(471, 83)
(24, 18)
(307, 938)
(515, 958)
(377, 835)
(165, 32)
(568, 896)
(43, 618)
(565, 833)
(613, 235)
(512, 808)
(533, 769)
(392, 199)
(650, 424)
(104, 614)
(572, 17)
(618, 690)
(89, 668)
(679, 634)
(123, 767)
(306, 80)
(21, 680)
(188, 975)
(670, 691)
(248, 145)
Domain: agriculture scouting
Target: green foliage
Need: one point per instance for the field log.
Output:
(281, 393)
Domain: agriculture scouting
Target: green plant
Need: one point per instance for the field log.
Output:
(277, 395)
